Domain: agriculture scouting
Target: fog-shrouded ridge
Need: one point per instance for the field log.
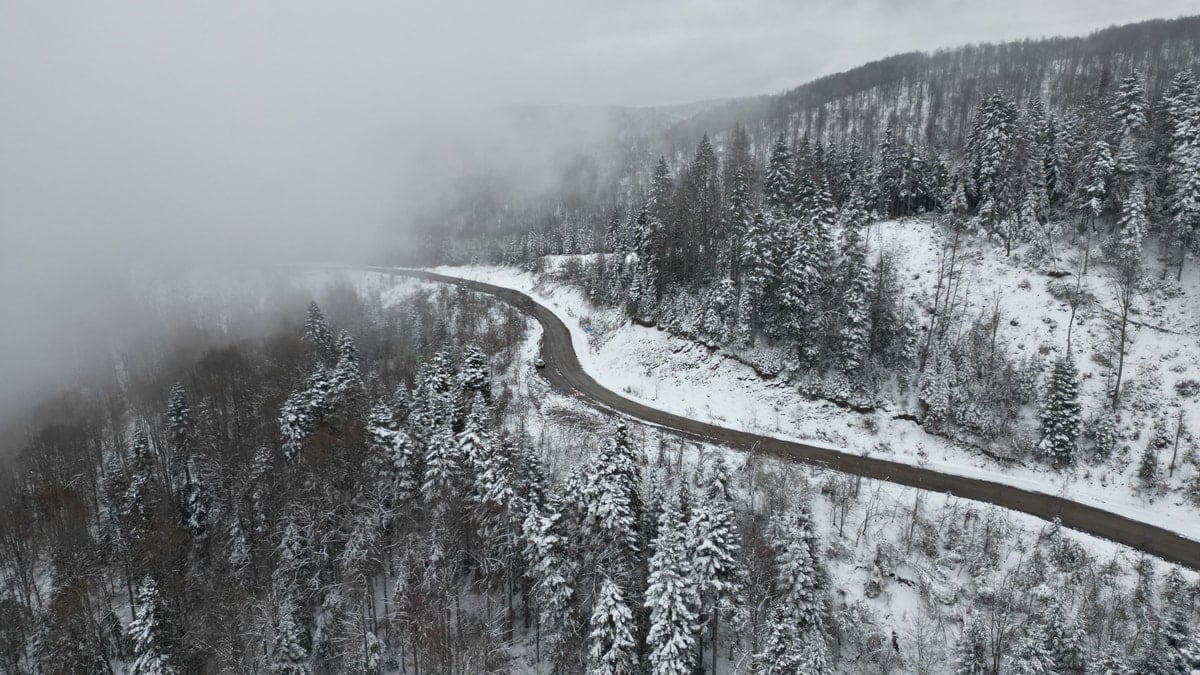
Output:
(158, 138)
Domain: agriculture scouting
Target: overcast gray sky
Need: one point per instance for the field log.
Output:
(136, 132)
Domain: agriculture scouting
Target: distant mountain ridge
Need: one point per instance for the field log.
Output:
(937, 92)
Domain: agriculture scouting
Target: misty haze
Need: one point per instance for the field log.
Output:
(607, 338)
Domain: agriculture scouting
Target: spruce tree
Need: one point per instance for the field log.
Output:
(1031, 655)
(801, 582)
(288, 655)
(181, 433)
(1110, 661)
(1126, 249)
(294, 425)
(971, 652)
(715, 552)
(551, 569)
(476, 374)
(318, 335)
(612, 649)
(780, 180)
(612, 495)
(152, 633)
(1130, 106)
(672, 599)
(1060, 414)
(197, 502)
(854, 335)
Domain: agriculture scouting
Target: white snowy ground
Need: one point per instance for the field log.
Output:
(687, 378)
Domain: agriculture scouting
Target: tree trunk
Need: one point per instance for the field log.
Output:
(1116, 399)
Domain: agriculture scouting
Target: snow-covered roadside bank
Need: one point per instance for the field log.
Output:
(686, 378)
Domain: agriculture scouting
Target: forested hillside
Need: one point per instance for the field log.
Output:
(910, 116)
(390, 491)
(1085, 165)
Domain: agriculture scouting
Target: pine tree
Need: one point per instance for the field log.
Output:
(445, 472)
(288, 654)
(672, 599)
(971, 652)
(346, 388)
(1130, 106)
(611, 645)
(294, 425)
(391, 457)
(715, 551)
(1110, 661)
(1127, 246)
(318, 335)
(612, 497)
(1031, 654)
(1182, 107)
(1094, 190)
(152, 633)
(801, 582)
(1147, 470)
(552, 572)
(799, 292)
(855, 334)
(740, 216)
(197, 503)
(181, 433)
(143, 496)
(1176, 622)
(780, 179)
(476, 374)
(1065, 638)
(1060, 414)
(990, 152)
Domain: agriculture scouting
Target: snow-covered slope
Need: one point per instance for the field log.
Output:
(687, 378)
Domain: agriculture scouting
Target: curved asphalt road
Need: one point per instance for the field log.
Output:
(563, 370)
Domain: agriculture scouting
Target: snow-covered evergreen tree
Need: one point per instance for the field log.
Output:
(152, 633)
(991, 154)
(1094, 190)
(780, 179)
(1110, 661)
(612, 649)
(1060, 414)
(1130, 105)
(970, 655)
(801, 582)
(1031, 655)
(854, 336)
(197, 502)
(551, 569)
(445, 472)
(181, 433)
(1126, 249)
(318, 335)
(288, 655)
(672, 599)
(716, 550)
(294, 425)
(612, 498)
(476, 374)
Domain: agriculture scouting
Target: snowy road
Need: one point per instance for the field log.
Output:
(564, 371)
